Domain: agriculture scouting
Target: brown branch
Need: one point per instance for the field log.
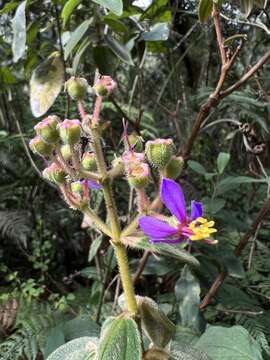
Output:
(217, 23)
(238, 250)
(141, 266)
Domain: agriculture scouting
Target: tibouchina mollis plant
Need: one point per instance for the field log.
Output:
(77, 172)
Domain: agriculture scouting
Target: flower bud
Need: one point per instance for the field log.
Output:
(138, 175)
(132, 157)
(136, 142)
(89, 162)
(174, 168)
(76, 187)
(159, 152)
(39, 146)
(66, 152)
(76, 87)
(47, 129)
(104, 86)
(70, 131)
(54, 173)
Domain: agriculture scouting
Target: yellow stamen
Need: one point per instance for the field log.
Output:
(201, 228)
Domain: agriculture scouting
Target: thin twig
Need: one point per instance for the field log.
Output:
(237, 252)
(141, 266)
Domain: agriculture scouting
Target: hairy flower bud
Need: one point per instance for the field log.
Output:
(76, 187)
(159, 152)
(76, 87)
(136, 142)
(174, 168)
(47, 129)
(89, 162)
(104, 86)
(66, 151)
(54, 173)
(39, 146)
(138, 175)
(70, 131)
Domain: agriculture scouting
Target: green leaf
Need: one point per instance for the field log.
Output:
(119, 50)
(89, 272)
(79, 53)
(55, 339)
(75, 37)
(141, 242)
(205, 10)
(232, 343)
(187, 292)
(45, 84)
(79, 327)
(11, 5)
(159, 32)
(19, 32)
(70, 5)
(120, 340)
(247, 6)
(231, 182)
(184, 336)
(105, 59)
(222, 161)
(228, 41)
(197, 167)
(115, 6)
(188, 353)
(94, 247)
(78, 349)
(116, 25)
(155, 323)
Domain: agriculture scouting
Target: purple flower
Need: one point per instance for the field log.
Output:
(92, 184)
(182, 226)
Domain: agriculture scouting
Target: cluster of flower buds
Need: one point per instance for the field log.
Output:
(52, 135)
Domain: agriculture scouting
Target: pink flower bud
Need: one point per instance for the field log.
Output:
(39, 146)
(47, 129)
(54, 173)
(138, 175)
(70, 131)
(104, 86)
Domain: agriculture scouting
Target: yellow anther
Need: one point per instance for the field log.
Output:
(201, 229)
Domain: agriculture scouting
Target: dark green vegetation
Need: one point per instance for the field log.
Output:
(55, 272)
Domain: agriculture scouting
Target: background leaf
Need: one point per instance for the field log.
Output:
(77, 349)
(45, 84)
(205, 10)
(232, 343)
(19, 32)
(119, 50)
(75, 38)
(222, 161)
(115, 6)
(68, 8)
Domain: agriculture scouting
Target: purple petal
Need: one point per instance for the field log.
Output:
(196, 209)
(155, 228)
(167, 241)
(173, 198)
(93, 185)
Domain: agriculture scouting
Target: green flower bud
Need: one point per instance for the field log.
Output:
(104, 86)
(47, 129)
(89, 162)
(174, 168)
(76, 187)
(138, 175)
(55, 174)
(76, 87)
(136, 142)
(40, 147)
(66, 152)
(159, 152)
(70, 131)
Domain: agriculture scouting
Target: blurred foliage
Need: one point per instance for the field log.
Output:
(165, 63)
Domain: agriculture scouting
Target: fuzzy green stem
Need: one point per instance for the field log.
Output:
(119, 248)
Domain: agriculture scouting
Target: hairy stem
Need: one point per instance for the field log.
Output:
(119, 248)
